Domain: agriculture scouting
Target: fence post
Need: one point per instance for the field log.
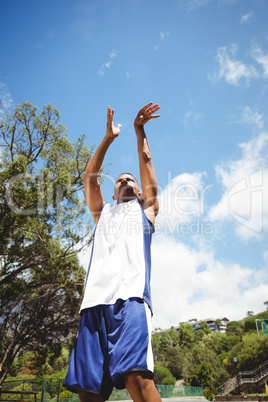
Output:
(43, 390)
(58, 396)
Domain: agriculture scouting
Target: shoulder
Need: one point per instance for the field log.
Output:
(150, 209)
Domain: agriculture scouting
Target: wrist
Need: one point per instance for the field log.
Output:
(139, 128)
(109, 138)
(107, 141)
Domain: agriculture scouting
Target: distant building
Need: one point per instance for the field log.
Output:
(219, 324)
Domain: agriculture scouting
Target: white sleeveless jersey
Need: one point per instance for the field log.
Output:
(120, 263)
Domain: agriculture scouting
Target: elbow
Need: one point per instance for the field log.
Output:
(90, 177)
(145, 156)
(91, 181)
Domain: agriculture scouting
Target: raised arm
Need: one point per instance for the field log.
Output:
(147, 172)
(92, 186)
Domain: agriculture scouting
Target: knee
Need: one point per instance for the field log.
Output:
(140, 383)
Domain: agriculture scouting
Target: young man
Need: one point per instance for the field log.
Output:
(113, 346)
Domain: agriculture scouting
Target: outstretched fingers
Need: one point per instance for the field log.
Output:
(112, 130)
(110, 114)
(149, 110)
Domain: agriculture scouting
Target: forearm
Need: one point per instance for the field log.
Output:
(92, 186)
(144, 151)
(95, 162)
(147, 172)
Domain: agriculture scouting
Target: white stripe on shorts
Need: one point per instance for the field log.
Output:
(150, 359)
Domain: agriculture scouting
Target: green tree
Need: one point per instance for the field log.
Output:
(203, 376)
(174, 361)
(250, 353)
(235, 328)
(250, 324)
(163, 376)
(186, 335)
(226, 343)
(211, 340)
(204, 352)
(42, 228)
(174, 336)
(49, 362)
(188, 364)
(203, 330)
(165, 343)
(155, 345)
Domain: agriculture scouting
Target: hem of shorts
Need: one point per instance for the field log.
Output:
(120, 383)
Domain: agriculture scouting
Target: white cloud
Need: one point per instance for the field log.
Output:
(188, 283)
(108, 63)
(253, 117)
(245, 195)
(182, 201)
(113, 53)
(261, 58)
(231, 70)
(163, 35)
(246, 17)
(192, 116)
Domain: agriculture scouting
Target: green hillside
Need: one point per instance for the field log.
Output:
(206, 358)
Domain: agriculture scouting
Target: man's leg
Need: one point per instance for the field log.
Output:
(90, 397)
(141, 387)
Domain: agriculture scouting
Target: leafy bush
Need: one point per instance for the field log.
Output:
(162, 375)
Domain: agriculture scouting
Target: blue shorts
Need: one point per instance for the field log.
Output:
(112, 340)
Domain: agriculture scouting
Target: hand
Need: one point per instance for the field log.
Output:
(146, 114)
(112, 131)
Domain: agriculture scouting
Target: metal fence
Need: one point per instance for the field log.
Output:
(51, 389)
(170, 391)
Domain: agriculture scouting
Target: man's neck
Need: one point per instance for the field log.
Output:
(126, 199)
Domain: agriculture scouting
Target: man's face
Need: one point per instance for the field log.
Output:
(126, 188)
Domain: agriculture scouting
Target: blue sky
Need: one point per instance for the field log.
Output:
(206, 63)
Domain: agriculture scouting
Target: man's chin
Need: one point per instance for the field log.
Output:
(125, 191)
(127, 196)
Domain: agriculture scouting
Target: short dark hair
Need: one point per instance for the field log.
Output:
(130, 175)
